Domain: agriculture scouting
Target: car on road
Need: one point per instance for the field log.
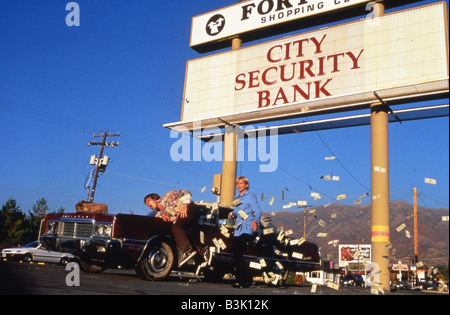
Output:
(352, 280)
(402, 285)
(36, 251)
(427, 285)
(147, 244)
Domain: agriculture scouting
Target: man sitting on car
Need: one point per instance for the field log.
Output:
(176, 206)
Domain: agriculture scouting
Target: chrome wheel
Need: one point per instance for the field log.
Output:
(157, 260)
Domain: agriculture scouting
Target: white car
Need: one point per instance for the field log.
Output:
(36, 252)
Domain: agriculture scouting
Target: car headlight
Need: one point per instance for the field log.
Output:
(103, 230)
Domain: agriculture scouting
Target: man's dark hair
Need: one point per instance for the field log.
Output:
(153, 196)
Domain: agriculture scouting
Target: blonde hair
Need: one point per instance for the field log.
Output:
(245, 180)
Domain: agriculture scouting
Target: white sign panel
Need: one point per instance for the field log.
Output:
(401, 55)
(251, 15)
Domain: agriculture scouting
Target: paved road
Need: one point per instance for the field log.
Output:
(37, 279)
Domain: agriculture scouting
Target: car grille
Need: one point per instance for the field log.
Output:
(75, 229)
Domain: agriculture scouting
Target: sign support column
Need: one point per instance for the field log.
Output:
(379, 121)
(229, 163)
(380, 193)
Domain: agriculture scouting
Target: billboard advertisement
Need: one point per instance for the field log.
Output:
(396, 56)
(352, 254)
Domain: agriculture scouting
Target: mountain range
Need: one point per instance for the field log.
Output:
(346, 224)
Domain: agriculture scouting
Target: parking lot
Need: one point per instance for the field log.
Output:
(42, 279)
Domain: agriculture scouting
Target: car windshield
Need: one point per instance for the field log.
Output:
(33, 244)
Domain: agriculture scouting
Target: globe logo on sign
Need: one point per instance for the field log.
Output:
(215, 25)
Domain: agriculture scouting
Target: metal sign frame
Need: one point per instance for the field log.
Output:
(409, 114)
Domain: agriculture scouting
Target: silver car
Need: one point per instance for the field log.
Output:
(36, 252)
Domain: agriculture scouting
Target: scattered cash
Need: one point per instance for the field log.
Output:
(225, 232)
(379, 169)
(401, 227)
(297, 255)
(243, 215)
(430, 181)
(203, 264)
(279, 265)
(301, 240)
(262, 262)
(333, 285)
(202, 237)
(236, 202)
(268, 231)
(334, 243)
(255, 265)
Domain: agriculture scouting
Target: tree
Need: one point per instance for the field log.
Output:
(18, 228)
(35, 217)
(60, 210)
(12, 223)
(40, 209)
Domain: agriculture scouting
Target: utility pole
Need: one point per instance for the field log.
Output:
(416, 236)
(100, 163)
(359, 250)
(304, 222)
(416, 229)
(305, 206)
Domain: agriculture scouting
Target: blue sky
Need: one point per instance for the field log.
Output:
(122, 70)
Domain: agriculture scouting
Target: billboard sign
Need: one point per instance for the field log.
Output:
(248, 16)
(352, 254)
(397, 56)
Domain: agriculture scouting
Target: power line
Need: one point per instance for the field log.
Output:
(150, 180)
(36, 114)
(338, 160)
(435, 200)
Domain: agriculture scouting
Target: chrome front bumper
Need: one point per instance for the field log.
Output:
(93, 248)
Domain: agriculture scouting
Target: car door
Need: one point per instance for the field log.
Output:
(45, 255)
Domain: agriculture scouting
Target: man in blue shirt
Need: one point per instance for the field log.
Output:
(248, 215)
